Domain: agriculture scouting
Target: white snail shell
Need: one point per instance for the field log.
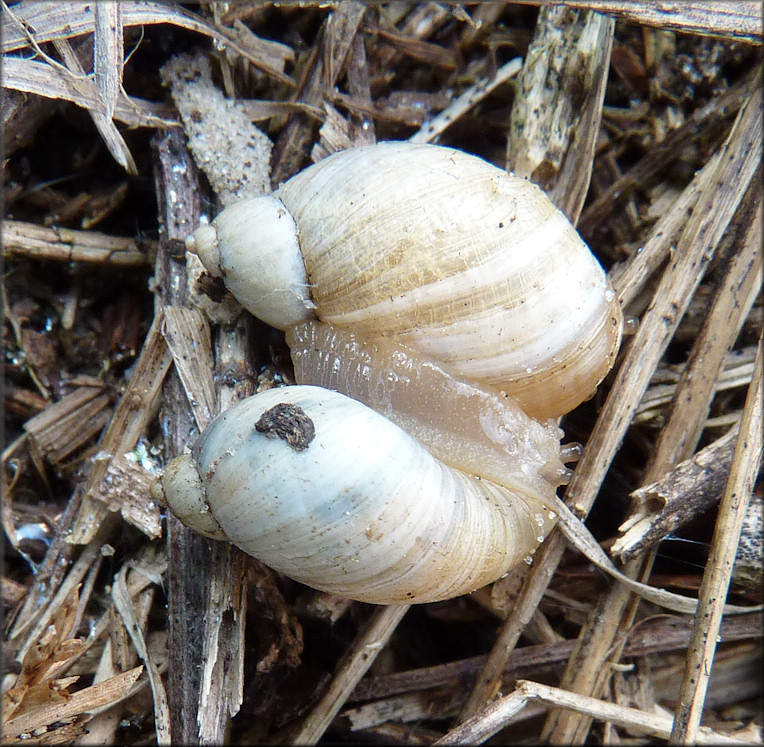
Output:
(331, 514)
(456, 301)
(450, 255)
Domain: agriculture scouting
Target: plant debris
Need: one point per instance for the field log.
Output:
(128, 124)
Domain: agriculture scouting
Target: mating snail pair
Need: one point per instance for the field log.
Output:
(455, 312)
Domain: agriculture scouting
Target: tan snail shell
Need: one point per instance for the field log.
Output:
(456, 301)
(453, 257)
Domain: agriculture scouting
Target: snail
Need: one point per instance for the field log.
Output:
(441, 314)
(302, 479)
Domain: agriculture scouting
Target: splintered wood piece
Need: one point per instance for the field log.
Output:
(134, 412)
(739, 20)
(66, 425)
(206, 590)
(179, 203)
(564, 73)
(125, 488)
(661, 507)
(187, 334)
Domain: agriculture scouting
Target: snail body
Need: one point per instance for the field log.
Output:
(333, 514)
(438, 249)
(456, 313)
(478, 431)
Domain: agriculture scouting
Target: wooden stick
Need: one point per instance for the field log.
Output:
(734, 298)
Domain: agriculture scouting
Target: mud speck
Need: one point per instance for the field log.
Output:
(289, 422)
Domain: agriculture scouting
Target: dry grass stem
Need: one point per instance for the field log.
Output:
(585, 673)
(551, 552)
(109, 55)
(656, 159)
(134, 410)
(42, 79)
(89, 700)
(653, 336)
(124, 605)
(187, 335)
(22, 239)
(432, 129)
(660, 634)
(684, 492)
(629, 278)
(716, 579)
(56, 21)
(736, 371)
(356, 662)
(579, 537)
(479, 728)
(738, 288)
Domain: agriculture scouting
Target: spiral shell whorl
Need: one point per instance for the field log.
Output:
(253, 245)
